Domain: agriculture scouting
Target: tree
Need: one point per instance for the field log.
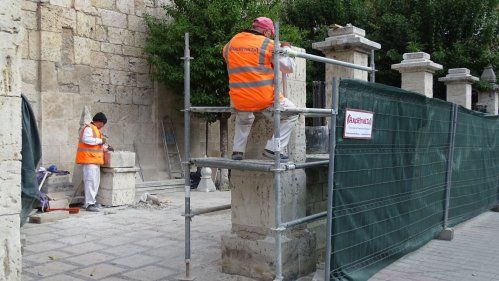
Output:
(211, 24)
(456, 33)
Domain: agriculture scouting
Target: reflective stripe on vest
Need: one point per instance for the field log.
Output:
(90, 154)
(251, 76)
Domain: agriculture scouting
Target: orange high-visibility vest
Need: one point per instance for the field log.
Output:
(251, 75)
(90, 154)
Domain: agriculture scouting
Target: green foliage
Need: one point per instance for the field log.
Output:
(456, 33)
(210, 24)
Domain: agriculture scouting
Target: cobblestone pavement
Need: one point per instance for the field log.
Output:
(147, 244)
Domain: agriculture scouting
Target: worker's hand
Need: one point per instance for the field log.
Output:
(104, 140)
(285, 44)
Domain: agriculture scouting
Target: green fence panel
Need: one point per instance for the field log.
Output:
(389, 191)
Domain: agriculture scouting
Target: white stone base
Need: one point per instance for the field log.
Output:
(255, 258)
(117, 186)
(117, 159)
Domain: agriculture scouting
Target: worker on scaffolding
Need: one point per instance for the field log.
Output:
(249, 57)
(90, 154)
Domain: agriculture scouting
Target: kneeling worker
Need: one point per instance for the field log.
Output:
(249, 57)
(90, 154)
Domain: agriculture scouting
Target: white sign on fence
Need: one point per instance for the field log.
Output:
(358, 124)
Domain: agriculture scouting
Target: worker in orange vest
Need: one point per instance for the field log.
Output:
(249, 57)
(90, 154)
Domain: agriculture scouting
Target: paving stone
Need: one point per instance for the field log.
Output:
(90, 258)
(62, 277)
(45, 246)
(97, 272)
(84, 248)
(45, 256)
(50, 268)
(125, 250)
(150, 273)
(136, 260)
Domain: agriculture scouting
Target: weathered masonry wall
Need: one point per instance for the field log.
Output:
(90, 52)
(10, 141)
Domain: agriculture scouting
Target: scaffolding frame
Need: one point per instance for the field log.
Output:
(258, 165)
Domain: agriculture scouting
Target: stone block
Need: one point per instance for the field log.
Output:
(10, 247)
(48, 76)
(84, 75)
(104, 93)
(10, 197)
(446, 234)
(133, 51)
(117, 62)
(10, 114)
(29, 19)
(51, 46)
(61, 3)
(124, 95)
(51, 154)
(118, 159)
(100, 76)
(85, 24)
(28, 6)
(136, 23)
(139, 65)
(66, 74)
(99, 59)
(123, 78)
(117, 186)
(120, 36)
(126, 6)
(145, 114)
(254, 257)
(53, 18)
(145, 81)
(100, 33)
(112, 18)
(111, 48)
(56, 107)
(82, 50)
(142, 96)
(57, 131)
(140, 39)
(85, 6)
(34, 44)
(104, 4)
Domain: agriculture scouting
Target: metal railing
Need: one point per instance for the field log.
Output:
(276, 167)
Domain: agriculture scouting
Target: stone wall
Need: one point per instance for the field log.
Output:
(317, 203)
(90, 52)
(10, 140)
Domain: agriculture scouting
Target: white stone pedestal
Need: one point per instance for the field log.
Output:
(117, 186)
(417, 73)
(458, 83)
(489, 98)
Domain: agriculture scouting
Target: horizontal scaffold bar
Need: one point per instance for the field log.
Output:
(298, 110)
(303, 55)
(201, 211)
(304, 220)
(253, 164)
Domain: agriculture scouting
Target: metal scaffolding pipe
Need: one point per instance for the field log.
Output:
(202, 211)
(304, 220)
(373, 68)
(304, 55)
(187, 137)
(225, 163)
(309, 164)
(330, 181)
(298, 110)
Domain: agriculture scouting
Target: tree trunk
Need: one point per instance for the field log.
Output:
(223, 176)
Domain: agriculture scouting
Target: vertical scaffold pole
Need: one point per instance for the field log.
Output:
(373, 68)
(277, 158)
(448, 176)
(187, 156)
(330, 181)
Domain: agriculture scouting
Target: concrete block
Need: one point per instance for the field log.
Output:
(49, 217)
(255, 257)
(10, 247)
(446, 234)
(120, 159)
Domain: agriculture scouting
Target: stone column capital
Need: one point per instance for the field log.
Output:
(348, 38)
(416, 62)
(458, 75)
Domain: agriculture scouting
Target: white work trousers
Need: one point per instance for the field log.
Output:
(244, 121)
(91, 182)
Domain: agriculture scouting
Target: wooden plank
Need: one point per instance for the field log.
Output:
(48, 217)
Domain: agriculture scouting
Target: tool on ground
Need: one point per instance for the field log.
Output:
(70, 210)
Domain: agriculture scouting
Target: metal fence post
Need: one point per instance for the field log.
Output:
(373, 68)
(448, 233)
(187, 156)
(330, 182)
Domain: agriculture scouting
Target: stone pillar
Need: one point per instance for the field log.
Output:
(489, 98)
(346, 44)
(417, 73)
(458, 83)
(117, 186)
(249, 248)
(11, 34)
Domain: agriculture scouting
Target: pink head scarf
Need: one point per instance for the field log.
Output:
(264, 23)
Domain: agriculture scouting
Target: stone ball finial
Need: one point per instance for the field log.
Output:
(488, 74)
